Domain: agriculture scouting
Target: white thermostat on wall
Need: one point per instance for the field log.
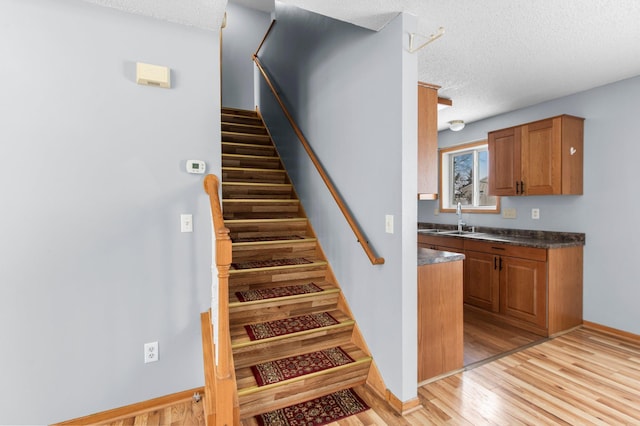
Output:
(196, 166)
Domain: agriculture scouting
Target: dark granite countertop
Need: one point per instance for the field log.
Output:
(518, 237)
(429, 257)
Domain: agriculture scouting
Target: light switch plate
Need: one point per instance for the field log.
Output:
(388, 224)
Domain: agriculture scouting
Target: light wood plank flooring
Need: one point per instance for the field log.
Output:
(484, 339)
(583, 377)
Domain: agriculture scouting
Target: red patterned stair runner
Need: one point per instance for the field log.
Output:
(285, 326)
(272, 293)
(319, 411)
(273, 238)
(299, 365)
(269, 263)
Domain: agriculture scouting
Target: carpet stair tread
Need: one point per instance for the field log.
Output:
(247, 383)
(234, 301)
(270, 266)
(266, 332)
(326, 409)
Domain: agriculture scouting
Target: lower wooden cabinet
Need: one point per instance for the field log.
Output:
(440, 319)
(481, 281)
(536, 289)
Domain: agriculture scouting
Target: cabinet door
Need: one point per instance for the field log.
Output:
(523, 290)
(427, 142)
(542, 157)
(504, 161)
(481, 280)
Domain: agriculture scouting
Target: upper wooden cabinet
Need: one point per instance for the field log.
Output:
(427, 141)
(544, 157)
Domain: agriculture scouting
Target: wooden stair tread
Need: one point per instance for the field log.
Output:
(253, 169)
(274, 242)
(247, 383)
(240, 338)
(251, 157)
(257, 184)
(260, 200)
(226, 133)
(279, 220)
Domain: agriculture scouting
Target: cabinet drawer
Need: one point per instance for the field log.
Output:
(452, 243)
(531, 253)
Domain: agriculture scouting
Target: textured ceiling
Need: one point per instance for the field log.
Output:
(495, 56)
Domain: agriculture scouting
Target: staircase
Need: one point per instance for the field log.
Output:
(276, 253)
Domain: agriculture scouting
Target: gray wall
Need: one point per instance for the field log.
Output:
(240, 39)
(607, 210)
(353, 93)
(92, 261)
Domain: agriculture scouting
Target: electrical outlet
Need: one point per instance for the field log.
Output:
(535, 213)
(436, 211)
(388, 224)
(509, 213)
(151, 353)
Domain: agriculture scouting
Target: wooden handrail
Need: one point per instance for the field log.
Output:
(323, 174)
(224, 388)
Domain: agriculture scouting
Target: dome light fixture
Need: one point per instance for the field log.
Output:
(456, 125)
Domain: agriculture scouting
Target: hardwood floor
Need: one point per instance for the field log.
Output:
(186, 413)
(583, 377)
(484, 339)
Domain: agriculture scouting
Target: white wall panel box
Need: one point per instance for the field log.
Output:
(153, 75)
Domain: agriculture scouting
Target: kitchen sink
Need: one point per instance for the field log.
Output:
(456, 232)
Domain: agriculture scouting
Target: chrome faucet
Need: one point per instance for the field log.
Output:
(459, 213)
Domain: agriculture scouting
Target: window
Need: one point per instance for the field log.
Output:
(464, 179)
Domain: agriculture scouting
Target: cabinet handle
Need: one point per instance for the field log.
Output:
(497, 248)
(495, 264)
(522, 187)
(501, 264)
(517, 187)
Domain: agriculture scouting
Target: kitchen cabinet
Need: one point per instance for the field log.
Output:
(427, 141)
(537, 289)
(544, 157)
(440, 319)
(513, 286)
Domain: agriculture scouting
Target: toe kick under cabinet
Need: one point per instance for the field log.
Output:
(537, 289)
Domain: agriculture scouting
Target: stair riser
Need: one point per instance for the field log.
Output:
(265, 213)
(280, 309)
(246, 138)
(236, 119)
(304, 390)
(251, 162)
(253, 176)
(241, 112)
(266, 229)
(240, 281)
(239, 149)
(252, 128)
(274, 251)
(244, 192)
(255, 354)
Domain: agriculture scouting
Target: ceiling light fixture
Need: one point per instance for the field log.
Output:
(456, 125)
